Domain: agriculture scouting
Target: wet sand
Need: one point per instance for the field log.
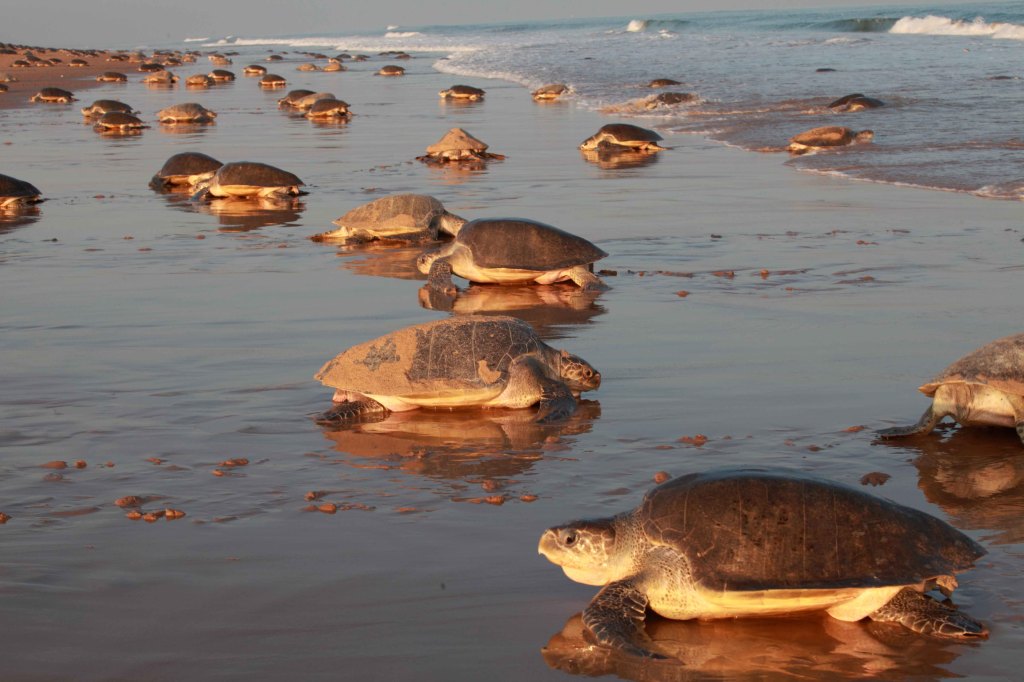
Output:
(155, 340)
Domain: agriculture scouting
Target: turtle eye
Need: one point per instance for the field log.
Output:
(569, 538)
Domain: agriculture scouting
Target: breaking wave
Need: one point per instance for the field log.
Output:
(643, 25)
(944, 26)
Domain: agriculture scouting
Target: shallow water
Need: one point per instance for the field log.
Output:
(163, 338)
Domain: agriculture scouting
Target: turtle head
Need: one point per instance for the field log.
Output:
(587, 551)
(591, 142)
(577, 373)
(448, 223)
(426, 259)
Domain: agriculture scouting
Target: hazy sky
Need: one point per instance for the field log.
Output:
(128, 23)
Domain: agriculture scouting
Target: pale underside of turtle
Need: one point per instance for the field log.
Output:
(53, 96)
(181, 170)
(983, 388)
(189, 112)
(826, 137)
(15, 192)
(106, 106)
(624, 135)
(244, 179)
(405, 217)
(457, 145)
(512, 251)
(463, 361)
(752, 543)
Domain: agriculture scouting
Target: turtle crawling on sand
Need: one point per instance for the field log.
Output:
(160, 77)
(983, 388)
(855, 102)
(328, 108)
(118, 122)
(549, 92)
(188, 112)
(106, 106)
(512, 251)
(826, 137)
(406, 217)
(272, 80)
(462, 92)
(457, 145)
(53, 96)
(624, 135)
(15, 192)
(112, 77)
(181, 170)
(244, 179)
(462, 361)
(391, 70)
(754, 542)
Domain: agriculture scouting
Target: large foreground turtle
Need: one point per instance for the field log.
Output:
(624, 135)
(826, 137)
(983, 388)
(15, 192)
(244, 179)
(181, 170)
(406, 217)
(732, 543)
(462, 361)
(512, 251)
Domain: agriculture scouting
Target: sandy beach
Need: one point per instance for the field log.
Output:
(784, 316)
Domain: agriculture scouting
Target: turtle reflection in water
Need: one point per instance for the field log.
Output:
(456, 362)
(735, 543)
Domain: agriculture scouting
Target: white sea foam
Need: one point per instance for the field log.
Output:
(196, 40)
(944, 26)
(392, 27)
(637, 26)
(402, 34)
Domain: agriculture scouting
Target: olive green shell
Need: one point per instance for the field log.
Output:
(394, 212)
(523, 244)
(999, 364)
(255, 174)
(757, 529)
(187, 163)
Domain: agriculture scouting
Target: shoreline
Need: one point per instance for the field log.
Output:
(73, 78)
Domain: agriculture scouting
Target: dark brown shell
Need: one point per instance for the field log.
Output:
(999, 364)
(757, 529)
(625, 132)
(13, 187)
(188, 163)
(329, 106)
(256, 174)
(825, 136)
(106, 106)
(525, 245)
(118, 119)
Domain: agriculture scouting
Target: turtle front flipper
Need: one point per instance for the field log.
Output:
(615, 619)
(440, 277)
(1017, 402)
(586, 279)
(349, 411)
(921, 613)
(927, 423)
(556, 402)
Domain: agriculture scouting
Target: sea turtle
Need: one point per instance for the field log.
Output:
(160, 78)
(53, 96)
(983, 388)
(150, 67)
(187, 112)
(855, 102)
(254, 70)
(391, 70)
(199, 80)
(457, 145)
(219, 59)
(662, 83)
(272, 80)
(512, 251)
(669, 99)
(462, 92)
(112, 77)
(334, 66)
(179, 170)
(328, 108)
(461, 361)
(78, 62)
(306, 102)
(105, 106)
(274, 58)
(292, 97)
(119, 121)
(405, 217)
(307, 67)
(756, 542)
(221, 75)
(826, 137)
(624, 135)
(552, 91)
(245, 179)
(14, 192)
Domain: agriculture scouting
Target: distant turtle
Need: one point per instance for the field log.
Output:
(221, 75)
(112, 77)
(188, 112)
(14, 192)
(105, 106)
(160, 78)
(78, 62)
(461, 361)
(4, 87)
(669, 99)
(328, 108)
(272, 80)
(551, 91)
(408, 217)
(855, 102)
(307, 67)
(119, 121)
(462, 92)
(243, 179)
(53, 96)
(306, 102)
(178, 170)
(292, 97)
(983, 388)
(334, 67)
(199, 80)
(662, 83)
(219, 59)
(624, 135)
(254, 70)
(458, 145)
(512, 251)
(391, 70)
(826, 137)
(150, 67)
(274, 58)
(754, 542)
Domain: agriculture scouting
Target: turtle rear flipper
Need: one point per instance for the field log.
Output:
(927, 423)
(615, 619)
(921, 613)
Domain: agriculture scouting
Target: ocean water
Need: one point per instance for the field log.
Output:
(951, 78)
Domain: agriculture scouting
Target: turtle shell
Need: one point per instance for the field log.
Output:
(106, 106)
(189, 111)
(395, 213)
(113, 76)
(825, 136)
(118, 119)
(54, 93)
(188, 163)
(457, 139)
(625, 132)
(462, 91)
(255, 174)
(13, 187)
(999, 364)
(292, 97)
(522, 244)
(464, 357)
(757, 530)
(328, 107)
